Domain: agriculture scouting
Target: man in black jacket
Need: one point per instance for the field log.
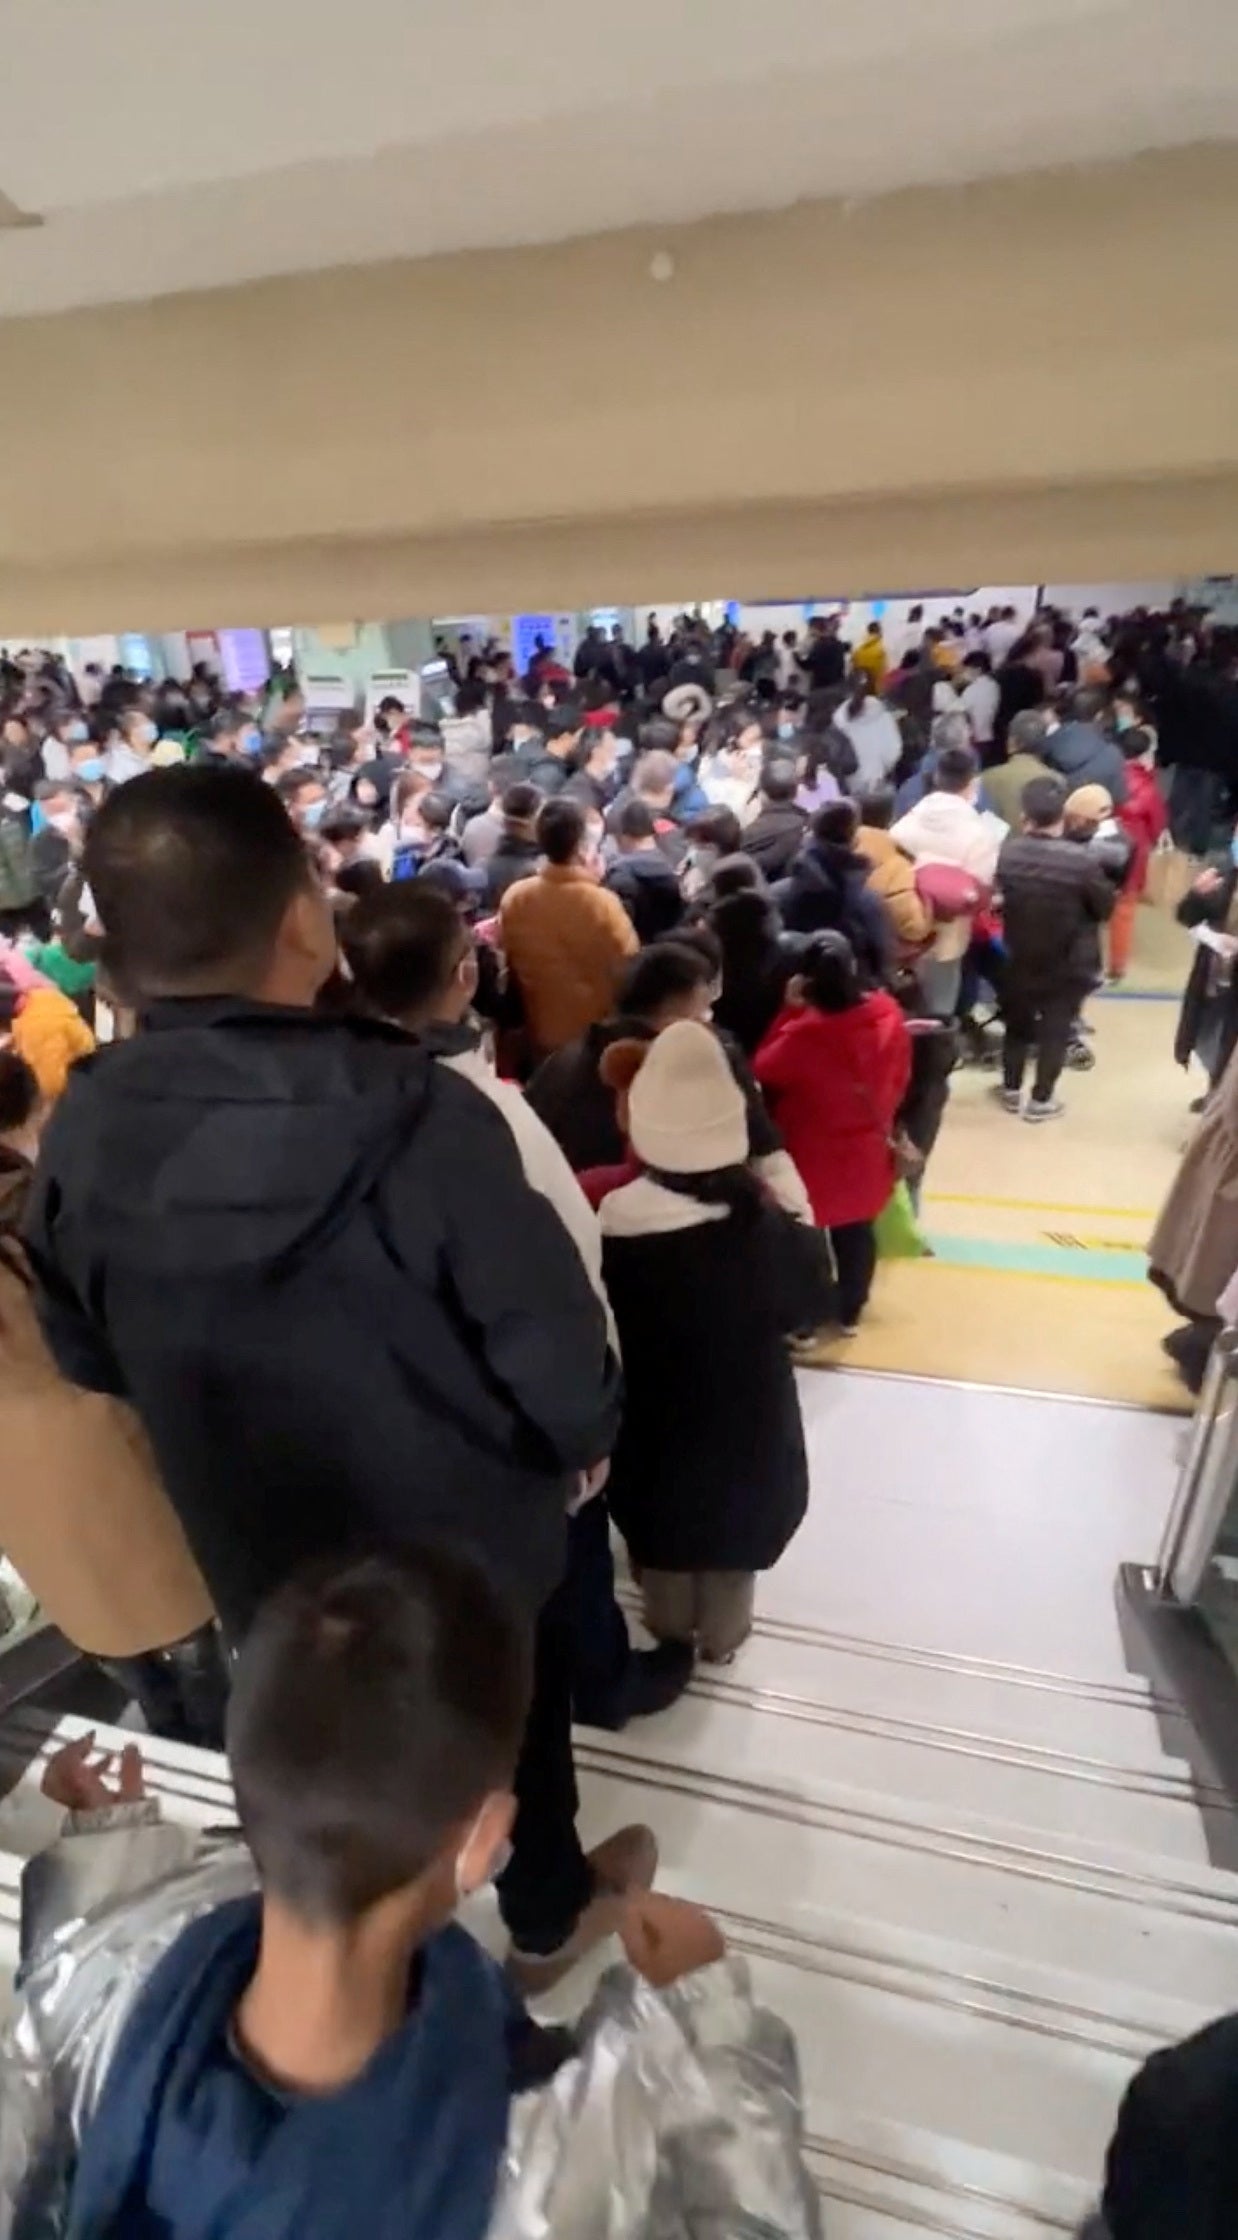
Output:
(309, 1257)
(1055, 898)
(779, 829)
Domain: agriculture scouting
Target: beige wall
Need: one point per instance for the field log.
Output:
(1027, 379)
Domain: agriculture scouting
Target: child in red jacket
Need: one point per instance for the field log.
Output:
(835, 1067)
(1143, 820)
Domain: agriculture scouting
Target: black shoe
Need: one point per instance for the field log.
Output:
(1197, 1104)
(655, 1679)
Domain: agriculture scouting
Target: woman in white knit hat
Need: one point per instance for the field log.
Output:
(707, 1278)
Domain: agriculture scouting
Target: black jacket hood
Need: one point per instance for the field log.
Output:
(234, 1134)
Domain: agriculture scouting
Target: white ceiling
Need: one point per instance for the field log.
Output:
(175, 144)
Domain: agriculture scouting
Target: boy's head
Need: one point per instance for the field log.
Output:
(411, 955)
(877, 808)
(957, 771)
(203, 887)
(561, 832)
(1044, 805)
(633, 827)
(669, 980)
(779, 783)
(1137, 744)
(374, 1724)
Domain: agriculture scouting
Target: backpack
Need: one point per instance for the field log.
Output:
(948, 892)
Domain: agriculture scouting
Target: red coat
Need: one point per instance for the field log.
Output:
(1143, 820)
(834, 1081)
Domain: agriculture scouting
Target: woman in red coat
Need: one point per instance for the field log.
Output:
(835, 1067)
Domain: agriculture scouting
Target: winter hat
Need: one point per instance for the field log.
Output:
(686, 1111)
(686, 701)
(1089, 804)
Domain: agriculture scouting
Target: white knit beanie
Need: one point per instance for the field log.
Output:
(686, 1111)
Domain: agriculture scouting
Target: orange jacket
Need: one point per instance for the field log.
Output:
(893, 879)
(49, 1033)
(566, 939)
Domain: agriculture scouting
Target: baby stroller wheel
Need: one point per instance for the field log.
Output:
(1080, 1058)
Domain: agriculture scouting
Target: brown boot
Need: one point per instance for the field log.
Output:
(628, 1860)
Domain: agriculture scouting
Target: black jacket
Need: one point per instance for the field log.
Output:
(649, 891)
(307, 1254)
(827, 890)
(516, 857)
(568, 1093)
(1172, 2167)
(1207, 984)
(775, 837)
(755, 967)
(1055, 899)
(709, 1473)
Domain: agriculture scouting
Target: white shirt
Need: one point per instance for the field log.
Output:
(998, 639)
(877, 740)
(980, 702)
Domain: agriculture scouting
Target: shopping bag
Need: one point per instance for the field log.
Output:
(899, 1235)
(1170, 874)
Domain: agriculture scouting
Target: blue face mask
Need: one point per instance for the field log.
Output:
(1233, 850)
(312, 817)
(786, 730)
(251, 741)
(1124, 721)
(89, 771)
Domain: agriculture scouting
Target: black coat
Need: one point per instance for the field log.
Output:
(568, 1094)
(649, 891)
(1055, 899)
(709, 1473)
(827, 891)
(308, 1255)
(1172, 2167)
(1198, 996)
(775, 837)
(516, 857)
(755, 967)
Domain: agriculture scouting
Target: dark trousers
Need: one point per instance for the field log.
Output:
(181, 1691)
(855, 1251)
(549, 1883)
(601, 1650)
(1038, 1019)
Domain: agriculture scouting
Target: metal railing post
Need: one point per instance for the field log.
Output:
(1207, 1480)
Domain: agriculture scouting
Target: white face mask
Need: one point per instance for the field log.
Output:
(64, 820)
(143, 734)
(430, 770)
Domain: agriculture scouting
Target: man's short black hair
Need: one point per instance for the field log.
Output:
(1043, 803)
(294, 782)
(660, 973)
(192, 870)
(779, 781)
(344, 823)
(565, 722)
(658, 736)
(373, 1709)
(20, 1095)
(521, 802)
(956, 768)
(402, 944)
(839, 822)
(633, 820)
(560, 830)
(877, 808)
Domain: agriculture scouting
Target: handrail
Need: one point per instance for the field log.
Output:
(1207, 1480)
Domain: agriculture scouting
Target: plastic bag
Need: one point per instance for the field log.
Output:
(899, 1235)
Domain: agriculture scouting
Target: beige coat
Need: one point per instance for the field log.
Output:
(1194, 1246)
(82, 1513)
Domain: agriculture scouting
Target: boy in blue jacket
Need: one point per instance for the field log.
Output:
(289, 2039)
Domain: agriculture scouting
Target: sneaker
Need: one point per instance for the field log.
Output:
(848, 1329)
(1010, 1100)
(628, 1860)
(1044, 1108)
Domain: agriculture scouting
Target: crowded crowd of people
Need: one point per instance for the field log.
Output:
(496, 1105)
